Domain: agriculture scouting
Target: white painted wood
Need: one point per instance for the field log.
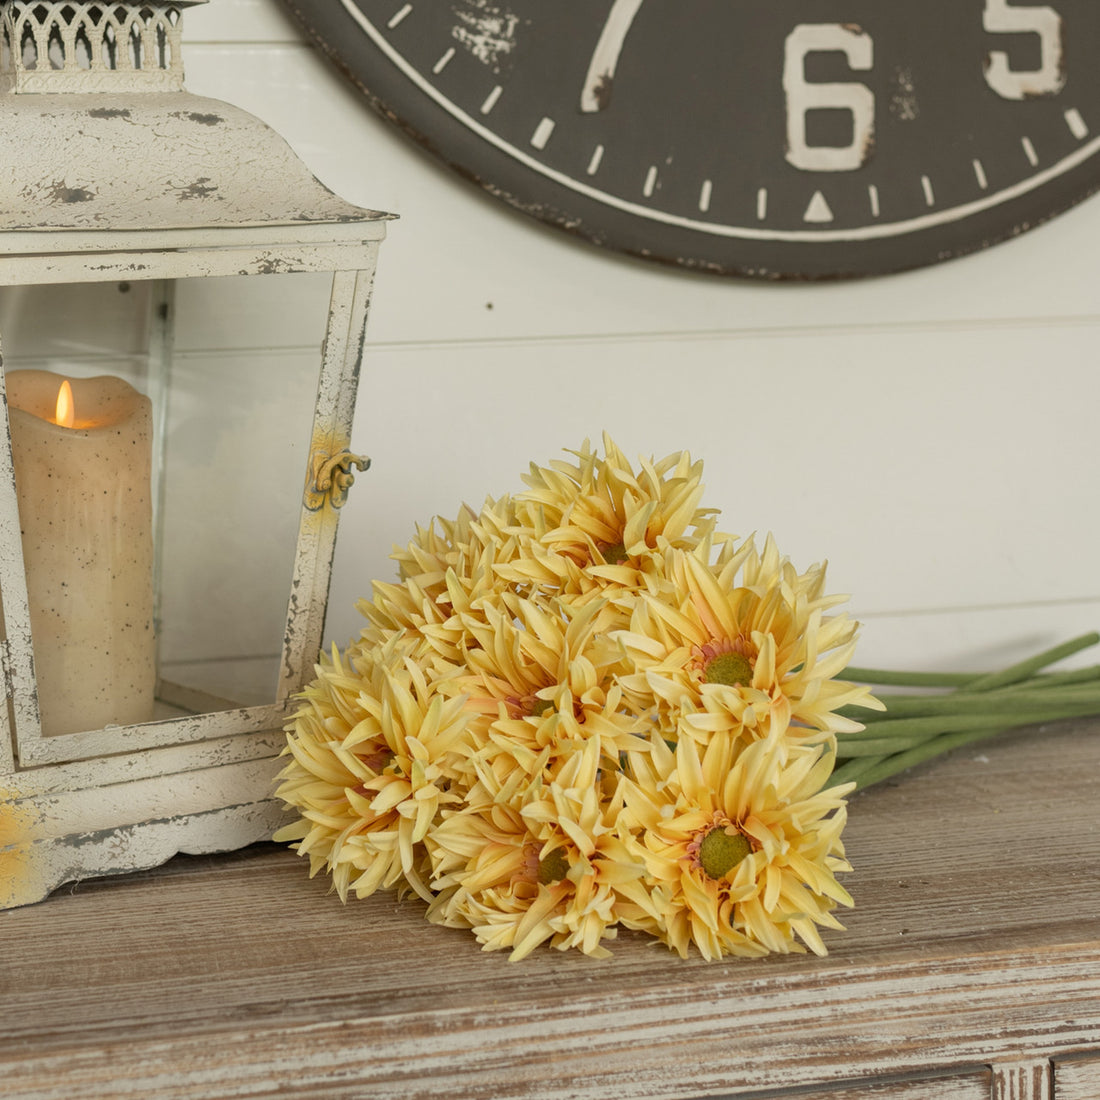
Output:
(966, 1086)
(240, 21)
(982, 639)
(1077, 1078)
(1030, 1080)
(920, 495)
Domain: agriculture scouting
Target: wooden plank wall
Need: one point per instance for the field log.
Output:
(932, 434)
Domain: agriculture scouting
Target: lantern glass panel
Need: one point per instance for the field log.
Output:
(231, 441)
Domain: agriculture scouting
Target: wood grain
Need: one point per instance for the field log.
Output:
(975, 944)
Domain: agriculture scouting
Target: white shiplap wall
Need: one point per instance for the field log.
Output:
(932, 434)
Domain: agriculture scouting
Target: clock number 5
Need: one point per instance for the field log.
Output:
(803, 96)
(1000, 17)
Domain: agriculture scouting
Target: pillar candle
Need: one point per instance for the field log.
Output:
(85, 513)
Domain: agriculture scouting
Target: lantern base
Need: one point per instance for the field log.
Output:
(51, 838)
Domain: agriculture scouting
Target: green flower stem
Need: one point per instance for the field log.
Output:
(1024, 669)
(933, 725)
(1007, 700)
(853, 770)
(979, 681)
(1048, 680)
(917, 727)
(898, 678)
(874, 770)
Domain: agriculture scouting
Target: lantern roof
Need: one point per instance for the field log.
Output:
(150, 161)
(98, 136)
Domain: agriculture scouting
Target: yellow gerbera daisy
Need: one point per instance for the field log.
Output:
(745, 653)
(594, 522)
(540, 862)
(542, 674)
(375, 754)
(743, 846)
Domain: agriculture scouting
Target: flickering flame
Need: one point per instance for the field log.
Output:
(66, 412)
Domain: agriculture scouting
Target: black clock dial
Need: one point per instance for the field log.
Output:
(798, 138)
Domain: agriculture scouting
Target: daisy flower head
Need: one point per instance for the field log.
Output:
(542, 862)
(596, 521)
(373, 752)
(742, 645)
(446, 570)
(743, 844)
(541, 675)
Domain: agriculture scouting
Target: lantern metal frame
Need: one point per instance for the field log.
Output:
(111, 171)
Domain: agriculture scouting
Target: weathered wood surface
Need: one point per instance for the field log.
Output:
(970, 965)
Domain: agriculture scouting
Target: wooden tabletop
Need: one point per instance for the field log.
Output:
(973, 953)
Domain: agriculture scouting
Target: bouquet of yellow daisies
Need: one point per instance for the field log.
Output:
(584, 708)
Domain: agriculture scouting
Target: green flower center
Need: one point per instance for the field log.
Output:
(730, 669)
(553, 867)
(540, 706)
(720, 852)
(615, 554)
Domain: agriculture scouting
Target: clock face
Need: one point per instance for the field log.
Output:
(788, 139)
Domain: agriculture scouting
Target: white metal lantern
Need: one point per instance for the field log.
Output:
(134, 726)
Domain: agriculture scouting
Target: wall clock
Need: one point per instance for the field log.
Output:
(791, 139)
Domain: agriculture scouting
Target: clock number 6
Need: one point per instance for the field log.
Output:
(1000, 17)
(803, 96)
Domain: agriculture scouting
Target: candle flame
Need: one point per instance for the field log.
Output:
(66, 411)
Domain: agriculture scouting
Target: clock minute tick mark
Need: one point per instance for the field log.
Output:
(704, 196)
(443, 62)
(761, 204)
(979, 174)
(491, 99)
(650, 184)
(542, 133)
(594, 160)
(872, 197)
(929, 194)
(398, 16)
(1077, 125)
(1029, 152)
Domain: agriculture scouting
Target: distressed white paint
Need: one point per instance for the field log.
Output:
(1078, 1078)
(1028, 1080)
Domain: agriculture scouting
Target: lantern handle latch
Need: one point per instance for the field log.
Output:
(330, 478)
